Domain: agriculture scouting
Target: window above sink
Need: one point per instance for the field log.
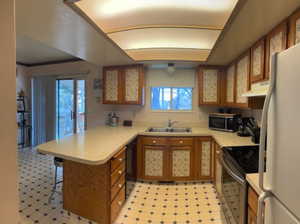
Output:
(171, 98)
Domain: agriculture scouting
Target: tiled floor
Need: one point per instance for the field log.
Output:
(171, 204)
(148, 202)
(36, 173)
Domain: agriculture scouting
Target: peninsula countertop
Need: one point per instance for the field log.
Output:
(96, 146)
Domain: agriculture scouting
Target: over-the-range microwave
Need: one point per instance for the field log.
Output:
(223, 122)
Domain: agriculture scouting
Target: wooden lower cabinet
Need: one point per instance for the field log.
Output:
(96, 192)
(252, 206)
(251, 216)
(174, 158)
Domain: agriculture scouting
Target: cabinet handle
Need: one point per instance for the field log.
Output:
(120, 185)
(120, 203)
(180, 141)
(218, 152)
(120, 171)
(154, 141)
(121, 159)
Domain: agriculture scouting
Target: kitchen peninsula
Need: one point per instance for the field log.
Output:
(95, 163)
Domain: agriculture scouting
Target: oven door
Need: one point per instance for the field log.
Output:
(234, 192)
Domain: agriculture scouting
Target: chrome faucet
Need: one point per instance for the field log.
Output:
(170, 123)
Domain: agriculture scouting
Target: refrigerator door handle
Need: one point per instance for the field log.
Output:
(264, 123)
(260, 211)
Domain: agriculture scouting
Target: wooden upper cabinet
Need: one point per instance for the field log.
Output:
(209, 86)
(230, 85)
(242, 79)
(294, 29)
(257, 70)
(123, 84)
(276, 42)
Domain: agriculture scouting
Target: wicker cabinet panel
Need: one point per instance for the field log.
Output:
(181, 163)
(210, 85)
(111, 85)
(242, 76)
(206, 158)
(230, 84)
(132, 85)
(154, 160)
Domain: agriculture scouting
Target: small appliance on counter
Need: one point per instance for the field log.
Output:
(247, 126)
(223, 122)
(113, 119)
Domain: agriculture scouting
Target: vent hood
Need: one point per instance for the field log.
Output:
(258, 90)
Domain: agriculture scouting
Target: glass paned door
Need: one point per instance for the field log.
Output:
(70, 107)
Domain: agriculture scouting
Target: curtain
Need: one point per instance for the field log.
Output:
(43, 109)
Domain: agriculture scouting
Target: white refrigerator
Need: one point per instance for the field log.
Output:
(280, 134)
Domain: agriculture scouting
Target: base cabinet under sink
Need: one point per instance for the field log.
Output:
(174, 158)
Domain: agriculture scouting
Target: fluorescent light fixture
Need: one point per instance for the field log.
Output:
(115, 7)
(159, 29)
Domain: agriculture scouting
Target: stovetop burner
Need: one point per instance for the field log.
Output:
(245, 159)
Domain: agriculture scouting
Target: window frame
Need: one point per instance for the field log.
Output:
(172, 110)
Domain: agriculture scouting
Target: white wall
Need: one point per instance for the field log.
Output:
(95, 109)
(8, 150)
(160, 77)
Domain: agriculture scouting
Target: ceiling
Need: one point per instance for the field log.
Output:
(49, 30)
(32, 52)
(152, 30)
(252, 21)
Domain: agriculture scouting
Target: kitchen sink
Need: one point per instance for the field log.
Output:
(177, 130)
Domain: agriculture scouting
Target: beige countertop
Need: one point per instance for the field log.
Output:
(96, 146)
(253, 180)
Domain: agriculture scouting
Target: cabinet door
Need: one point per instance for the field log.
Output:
(111, 85)
(276, 42)
(257, 71)
(133, 85)
(209, 86)
(294, 27)
(154, 162)
(242, 80)
(181, 162)
(230, 83)
(204, 154)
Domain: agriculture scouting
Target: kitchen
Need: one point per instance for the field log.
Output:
(176, 135)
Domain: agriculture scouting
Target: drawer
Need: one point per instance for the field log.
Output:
(117, 160)
(117, 173)
(181, 141)
(252, 199)
(117, 187)
(154, 141)
(117, 204)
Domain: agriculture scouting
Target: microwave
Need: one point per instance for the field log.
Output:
(223, 122)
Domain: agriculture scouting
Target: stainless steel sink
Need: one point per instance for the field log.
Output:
(177, 130)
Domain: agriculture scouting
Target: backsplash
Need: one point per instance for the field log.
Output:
(159, 77)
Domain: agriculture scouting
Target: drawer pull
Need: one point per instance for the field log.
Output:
(153, 141)
(121, 159)
(120, 185)
(120, 172)
(180, 141)
(218, 152)
(119, 203)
